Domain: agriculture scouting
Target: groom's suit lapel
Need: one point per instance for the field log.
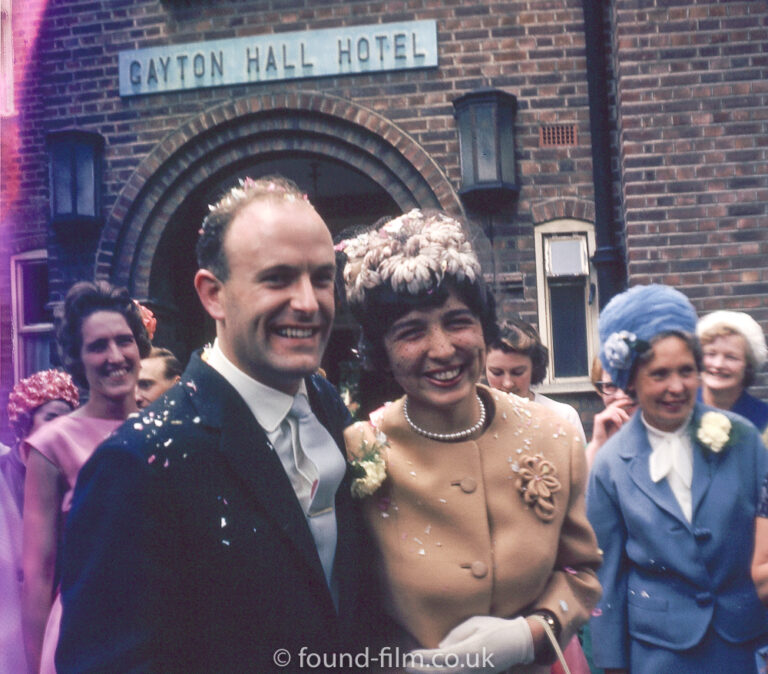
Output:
(245, 446)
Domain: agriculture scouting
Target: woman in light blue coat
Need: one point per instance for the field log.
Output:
(672, 498)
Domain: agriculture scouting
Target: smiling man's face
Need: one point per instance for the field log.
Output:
(277, 303)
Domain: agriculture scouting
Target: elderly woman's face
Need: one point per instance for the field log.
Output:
(437, 353)
(666, 385)
(725, 362)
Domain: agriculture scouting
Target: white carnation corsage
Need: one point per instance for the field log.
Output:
(714, 431)
(369, 469)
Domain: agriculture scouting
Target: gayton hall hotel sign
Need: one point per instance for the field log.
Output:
(281, 56)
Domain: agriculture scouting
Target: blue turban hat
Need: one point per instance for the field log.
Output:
(633, 318)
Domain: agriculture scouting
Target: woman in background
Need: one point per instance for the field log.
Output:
(619, 407)
(517, 360)
(734, 351)
(672, 497)
(34, 401)
(102, 338)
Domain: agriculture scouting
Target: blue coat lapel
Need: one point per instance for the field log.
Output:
(703, 464)
(637, 451)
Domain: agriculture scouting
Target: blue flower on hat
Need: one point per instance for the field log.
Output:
(633, 318)
(619, 347)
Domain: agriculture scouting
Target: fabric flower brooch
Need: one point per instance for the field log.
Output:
(714, 431)
(369, 470)
(619, 348)
(538, 483)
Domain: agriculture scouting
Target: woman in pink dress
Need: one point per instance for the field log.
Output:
(102, 340)
(34, 401)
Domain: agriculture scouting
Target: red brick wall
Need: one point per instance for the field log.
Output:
(533, 49)
(527, 48)
(690, 85)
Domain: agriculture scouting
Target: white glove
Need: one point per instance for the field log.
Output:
(481, 644)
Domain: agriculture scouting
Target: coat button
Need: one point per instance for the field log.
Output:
(702, 535)
(703, 598)
(468, 485)
(479, 569)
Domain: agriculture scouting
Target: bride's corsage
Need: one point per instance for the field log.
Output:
(714, 431)
(369, 469)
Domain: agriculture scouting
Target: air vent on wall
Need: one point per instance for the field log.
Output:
(558, 135)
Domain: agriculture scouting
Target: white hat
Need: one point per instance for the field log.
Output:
(742, 323)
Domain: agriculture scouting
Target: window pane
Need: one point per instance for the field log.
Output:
(61, 175)
(507, 140)
(34, 284)
(466, 143)
(569, 328)
(486, 144)
(566, 257)
(84, 169)
(6, 60)
(35, 352)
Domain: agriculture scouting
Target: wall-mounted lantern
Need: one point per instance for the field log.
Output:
(486, 124)
(75, 179)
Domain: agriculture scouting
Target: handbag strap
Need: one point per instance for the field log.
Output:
(552, 640)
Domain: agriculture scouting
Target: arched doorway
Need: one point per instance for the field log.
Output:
(355, 165)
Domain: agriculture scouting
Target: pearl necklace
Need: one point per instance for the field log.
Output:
(447, 437)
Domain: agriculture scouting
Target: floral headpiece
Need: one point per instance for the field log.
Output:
(633, 318)
(38, 389)
(148, 319)
(411, 254)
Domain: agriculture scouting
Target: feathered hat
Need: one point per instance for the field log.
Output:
(411, 254)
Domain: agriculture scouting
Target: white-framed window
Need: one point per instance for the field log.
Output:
(568, 306)
(7, 106)
(32, 319)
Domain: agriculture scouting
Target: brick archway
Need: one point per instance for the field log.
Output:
(566, 207)
(228, 134)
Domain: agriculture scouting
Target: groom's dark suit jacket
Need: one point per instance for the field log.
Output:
(186, 549)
